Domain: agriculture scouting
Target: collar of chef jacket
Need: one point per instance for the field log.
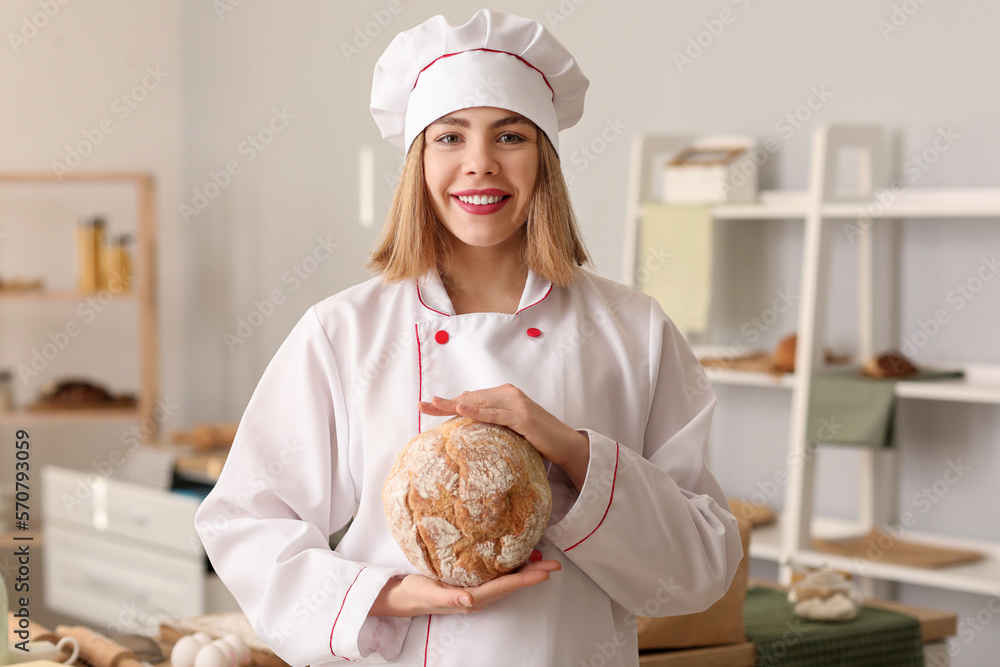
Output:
(434, 296)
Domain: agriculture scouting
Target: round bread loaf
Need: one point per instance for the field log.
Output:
(467, 501)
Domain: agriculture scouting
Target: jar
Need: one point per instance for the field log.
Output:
(119, 264)
(90, 254)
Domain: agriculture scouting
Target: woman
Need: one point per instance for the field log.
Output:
(481, 309)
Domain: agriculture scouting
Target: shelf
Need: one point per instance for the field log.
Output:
(69, 296)
(724, 376)
(909, 203)
(20, 417)
(981, 384)
(142, 293)
(772, 205)
(981, 578)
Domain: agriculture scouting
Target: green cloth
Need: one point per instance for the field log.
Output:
(848, 409)
(875, 638)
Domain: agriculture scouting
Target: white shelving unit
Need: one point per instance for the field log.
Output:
(790, 539)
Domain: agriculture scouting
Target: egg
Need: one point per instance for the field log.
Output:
(242, 650)
(228, 650)
(203, 638)
(184, 652)
(211, 656)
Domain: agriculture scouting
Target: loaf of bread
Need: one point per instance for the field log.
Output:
(467, 501)
(889, 365)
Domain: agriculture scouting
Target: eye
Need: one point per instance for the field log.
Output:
(448, 139)
(511, 138)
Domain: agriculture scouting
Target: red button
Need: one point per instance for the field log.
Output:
(533, 332)
(441, 337)
(535, 556)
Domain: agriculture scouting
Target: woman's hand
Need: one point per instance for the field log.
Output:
(417, 595)
(509, 406)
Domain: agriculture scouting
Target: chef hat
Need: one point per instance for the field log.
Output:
(494, 60)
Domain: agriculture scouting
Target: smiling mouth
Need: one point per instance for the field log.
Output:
(480, 200)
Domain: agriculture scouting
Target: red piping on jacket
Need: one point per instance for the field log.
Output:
(342, 603)
(434, 310)
(427, 641)
(420, 371)
(537, 302)
(428, 307)
(449, 55)
(613, 480)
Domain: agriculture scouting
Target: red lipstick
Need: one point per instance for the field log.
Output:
(481, 209)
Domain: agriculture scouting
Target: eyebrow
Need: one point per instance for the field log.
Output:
(500, 122)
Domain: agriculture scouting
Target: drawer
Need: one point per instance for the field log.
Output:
(114, 585)
(137, 512)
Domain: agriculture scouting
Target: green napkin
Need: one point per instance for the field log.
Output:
(848, 409)
(875, 638)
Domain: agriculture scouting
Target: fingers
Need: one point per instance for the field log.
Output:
(465, 405)
(529, 575)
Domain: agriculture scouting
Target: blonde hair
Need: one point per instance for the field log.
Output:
(413, 241)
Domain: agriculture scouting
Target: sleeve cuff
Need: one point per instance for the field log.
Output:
(357, 636)
(594, 501)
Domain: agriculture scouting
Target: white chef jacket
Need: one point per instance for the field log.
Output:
(649, 533)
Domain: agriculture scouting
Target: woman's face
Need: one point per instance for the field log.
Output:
(480, 166)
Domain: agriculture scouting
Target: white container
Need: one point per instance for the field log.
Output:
(714, 170)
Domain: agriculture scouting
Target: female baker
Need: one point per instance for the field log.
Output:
(480, 309)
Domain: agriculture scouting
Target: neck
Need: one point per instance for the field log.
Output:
(483, 280)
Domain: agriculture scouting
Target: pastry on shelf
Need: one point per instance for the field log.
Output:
(80, 394)
(889, 365)
(779, 362)
(207, 436)
(19, 285)
(783, 358)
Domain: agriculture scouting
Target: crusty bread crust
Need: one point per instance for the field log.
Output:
(467, 501)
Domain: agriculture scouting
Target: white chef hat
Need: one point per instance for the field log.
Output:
(495, 60)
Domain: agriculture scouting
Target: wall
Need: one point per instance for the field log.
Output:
(259, 124)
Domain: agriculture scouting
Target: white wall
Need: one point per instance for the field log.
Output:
(230, 71)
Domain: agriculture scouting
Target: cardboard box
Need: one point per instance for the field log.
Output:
(722, 623)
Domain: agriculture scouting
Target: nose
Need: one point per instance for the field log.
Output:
(480, 158)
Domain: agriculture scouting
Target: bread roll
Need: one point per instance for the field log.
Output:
(784, 355)
(889, 365)
(467, 501)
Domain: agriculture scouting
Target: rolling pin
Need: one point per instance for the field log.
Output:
(97, 649)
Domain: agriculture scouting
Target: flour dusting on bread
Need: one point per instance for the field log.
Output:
(467, 501)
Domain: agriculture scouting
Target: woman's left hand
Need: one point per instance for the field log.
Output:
(509, 406)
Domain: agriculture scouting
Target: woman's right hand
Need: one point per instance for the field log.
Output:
(417, 595)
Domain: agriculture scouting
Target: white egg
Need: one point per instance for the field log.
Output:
(203, 638)
(184, 651)
(242, 650)
(211, 656)
(228, 650)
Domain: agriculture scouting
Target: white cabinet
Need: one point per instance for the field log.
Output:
(790, 540)
(124, 556)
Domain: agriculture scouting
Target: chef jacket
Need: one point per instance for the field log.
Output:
(649, 533)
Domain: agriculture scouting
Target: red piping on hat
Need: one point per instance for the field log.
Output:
(449, 55)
